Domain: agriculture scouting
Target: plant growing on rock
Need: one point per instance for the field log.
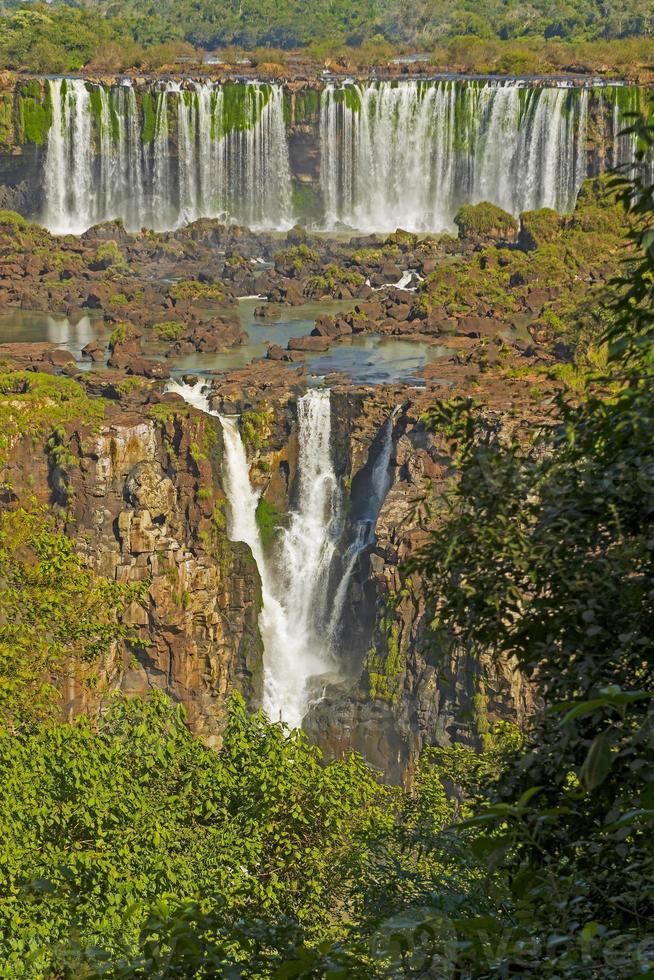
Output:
(58, 617)
(485, 220)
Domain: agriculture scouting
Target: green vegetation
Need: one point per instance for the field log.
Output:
(298, 257)
(539, 227)
(255, 428)
(484, 219)
(119, 335)
(33, 405)
(329, 281)
(13, 219)
(35, 113)
(58, 619)
(169, 331)
(268, 520)
(587, 246)
(109, 256)
(506, 36)
(190, 290)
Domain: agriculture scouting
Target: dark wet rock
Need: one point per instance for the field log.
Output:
(148, 368)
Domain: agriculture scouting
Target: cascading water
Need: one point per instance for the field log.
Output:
(408, 155)
(393, 154)
(365, 524)
(295, 577)
(182, 153)
(298, 645)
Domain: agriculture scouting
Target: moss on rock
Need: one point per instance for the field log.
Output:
(485, 220)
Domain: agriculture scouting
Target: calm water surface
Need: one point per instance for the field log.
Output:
(364, 359)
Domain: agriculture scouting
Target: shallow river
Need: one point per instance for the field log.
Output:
(368, 359)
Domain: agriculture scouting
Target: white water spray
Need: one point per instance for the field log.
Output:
(294, 621)
(181, 154)
(408, 155)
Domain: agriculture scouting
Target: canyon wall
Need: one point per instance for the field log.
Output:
(142, 495)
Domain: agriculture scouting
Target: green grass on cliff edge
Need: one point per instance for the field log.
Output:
(34, 404)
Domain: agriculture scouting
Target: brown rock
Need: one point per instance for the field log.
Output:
(148, 487)
(148, 368)
(60, 357)
(477, 326)
(94, 350)
(309, 344)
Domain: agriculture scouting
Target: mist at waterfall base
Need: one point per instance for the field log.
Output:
(392, 154)
(301, 614)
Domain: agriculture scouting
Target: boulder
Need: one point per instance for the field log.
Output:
(477, 326)
(60, 357)
(94, 350)
(400, 312)
(277, 353)
(148, 368)
(309, 344)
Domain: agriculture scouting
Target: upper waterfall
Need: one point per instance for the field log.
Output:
(408, 155)
(172, 156)
(378, 156)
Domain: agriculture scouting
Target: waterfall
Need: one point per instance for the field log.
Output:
(294, 620)
(407, 155)
(297, 643)
(364, 527)
(392, 154)
(167, 157)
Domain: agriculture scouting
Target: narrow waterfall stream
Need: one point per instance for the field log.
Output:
(296, 618)
(364, 527)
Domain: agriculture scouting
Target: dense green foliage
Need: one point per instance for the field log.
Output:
(58, 619)
(502, 35)
(97, 821)
(130, 847)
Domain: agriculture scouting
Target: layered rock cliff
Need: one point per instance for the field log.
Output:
(140, 495)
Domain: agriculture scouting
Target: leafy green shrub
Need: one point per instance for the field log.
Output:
(58, 618)
(539, 227)
(297, 256)
(485, 219)
(268, 520)
(172, 330)
(13, 219)
(191, 290)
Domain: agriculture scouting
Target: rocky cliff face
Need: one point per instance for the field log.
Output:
(141, 497)
(404, 693)
(141, 494)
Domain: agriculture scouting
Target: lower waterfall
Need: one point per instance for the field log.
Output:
(365, 524)
(296, 615)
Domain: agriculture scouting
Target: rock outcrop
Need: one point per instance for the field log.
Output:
(140, 495)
